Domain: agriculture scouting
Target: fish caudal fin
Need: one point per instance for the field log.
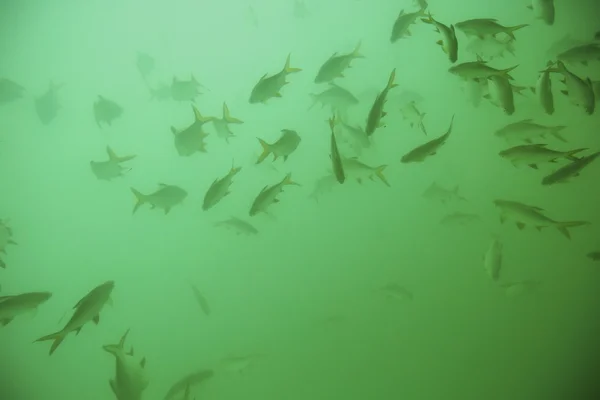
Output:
(228, 118)
(288, 180)
(114, 157)
(356, 53)
(140, 199)
(57, 337)
(510, 31)
(571, 154)
(556, 133)
(391, 83)
(379, 172)
(266, 151)
(288, 69)
(506, 72)
(199, 117)
(563, 227)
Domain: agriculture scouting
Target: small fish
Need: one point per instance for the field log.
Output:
(501, 93)
(239, 225)
(422, 152)
(185, 90)
(161, 92)
(569, 171)
(47, 105)
(336, 98)
(15, 305)
(544, 10)
(479, 70)
(441, 194)
(490, 48)
(356, 169)
(10, 91)
(335, 66)
(526, 130)
(6, 234)
(520, 287)
(239, 364)
(269, 87)
(106, 111)
(111, 168)
(283, 147)
(582, 54)
(86, 310)
(166, 197)
(185, 383)
(524, 215)
(543, 90)
(534, 154)
(413, 116)
(201, 300)
(449, 43)
(219, 189)
(222, 124)
(396, 291)
(268, 196)
(323, 185)
(403, 23)
(377, 113)
(580, 91)
(145, 64)
(594, 255)
(460, 218)
(191, 139)
(130, 379)
(484, 27)
(492, 261)
(336, 160)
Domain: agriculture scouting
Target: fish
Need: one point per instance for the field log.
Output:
(441, 194)
(484, 27)
(460, 218)
(160, 92)
(569, 171)
(6, 237)
(145, 64)
(525, 215)
(10, 91)
(544, 10)
(222, 124)
(268, 196)
(111, 168)
(193, 379)
(563, 44)
(219, 189)
(580, 91)
(190, 140)
(490, 48)
(323, 185)
(582, 54)
(201, 300)
(395, 291)
(300, 10)
(269, 87)
(336, 160)
(449, 43)
(479, 70)
(359, 171)
(403, 23)
(335, 66)
(543, 90)
(106, 111)
(185, 90)
(335, 97)
(130, 379)
(356, 134)
(475, 90)
(422, 152)
(47, 105)
(594, 255)
(284, 146)
(239, 364)
(526, 130)
(238, 225)
(376, 112)
(501, 93)
(15, 305)
(413, 116)
(492, 260)
(166, 197)
(86, 310)
(535, 154)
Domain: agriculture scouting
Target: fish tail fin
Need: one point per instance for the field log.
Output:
(288, 180)
(571, 154)
(199, 117)
(114, 157)
(356, 53)
(228, 118)
(115, 348)
(140, 199)
(57, 338)
(391, 83)
(428, 19)
(266, 150)
(288, 69)
(510, 31)
(234, 170)
(563, 227)
(556, 133)
(506, 72)
(379, 172)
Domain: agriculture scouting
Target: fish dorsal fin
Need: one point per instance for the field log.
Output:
(163, 185)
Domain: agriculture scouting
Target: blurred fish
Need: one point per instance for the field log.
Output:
(597, 36)
(185, 90)
(356, 169)
(422, 152)
(12, 306)
(478, 70)
(268, 196)
(10, 91)
(475, 90)
(501, 93)
(161, 92)
(201, 300)
(563, 44)
(300, 9)
(166, 197)
(222, 124)
(238, 225)
(335, 66)
(449, 43)
(86, 310)
(219, 189)
(486, 27)
(582, 54)
(356, 134)
(394, 291)
(524, 215)
(283, 147)
(336, 97)
(111, 168)
(413, 116)
(518, 288)
(403, 23)
(239, 364)
(145, 64)
(526, 130)
(191, 139)
(106, 111)
(596, 86)
(594, 255)
(323, 185)
(543, 90)
(490, 48)
(534, 154)
(441, 194)
(47, 105)
(376, 113)
(188, 381)
(130, 379)
(580, 91)
(6, 234)
(270, 86)
(334, 155)
(492, 261)
(460, 218)
(544, 10)
(569, 171)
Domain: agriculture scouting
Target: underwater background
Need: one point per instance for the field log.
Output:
(355, 291)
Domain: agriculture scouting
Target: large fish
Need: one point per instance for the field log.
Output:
(403, 24)
(335, 66)
(166, 197)
(569, 171)
(583, 54)
(449, 43)
(420, 153)
(484, 27)
(580, 91)
(544, 10)
(12, 306)
(270, 86)
(283, 147)
(219, 189)
(190, 140)
(359, 171)
(501, 93)
(543, 90)
(106, 111)
(526, 130)
(268, 195)
(336, 98)
(376, 112)
(47, 105)
(86, 310)
(111, 168)
(534, 154)
(479, 70)
(185, 383)
(130, 379)
(336, 160)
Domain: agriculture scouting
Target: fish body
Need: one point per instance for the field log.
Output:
(166, 197)
(335, 97)
(475, 90)
(190, 140)
(222, 124)
(185, 383)
(403, 23)
(356, 169)
(334, 155)
(492, 262)
(111, 168)
(413, 116)
(356, 134)
(581, 54)
(544, 10)
(376, 112)
(270, 86)
(185, 90)
(526, 130)
(501, 93)
(569, 171)
(490, 48)
(106, 111)
(335, 66)
(219, 189)
(201, 300)
(439, 193)
(10, 91)
(484, 27)
(543, 90)
(323, 185)
(268, 196)
(449, 43)
(580, 91)
(283, 147)
(12, 306)
(160, 92)
(535, 154)
(420, 153)
(478, 70)
(130, 379)
(525, 215)
(86, 310)
(239, 225)
(47, 105)
(145, 64)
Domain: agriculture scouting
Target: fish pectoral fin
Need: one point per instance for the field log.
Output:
(565, 92)
(96, 319)
(520, 225)
(534, 166)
